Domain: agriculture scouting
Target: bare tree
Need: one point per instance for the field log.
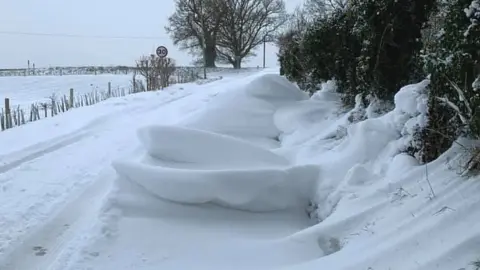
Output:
(246, 25)
(136, 85)
(195, 26)
(144, 69)
(156, 71)
(321, 8)
(316, 8)
(304, 15)
(296, 25)
(298, 21)
(163, 69)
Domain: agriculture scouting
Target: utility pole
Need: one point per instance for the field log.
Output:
(264, 49)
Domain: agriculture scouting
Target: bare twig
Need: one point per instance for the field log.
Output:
(428, 181)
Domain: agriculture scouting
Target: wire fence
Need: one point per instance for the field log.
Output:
(91, 70)
(14, 115)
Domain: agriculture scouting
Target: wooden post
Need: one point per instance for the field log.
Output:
(109, 89)
(148, 76)
(70, 101)
(8, 115)
(264, 49)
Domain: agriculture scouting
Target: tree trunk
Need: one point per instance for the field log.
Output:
(237, 64)
(210, 55)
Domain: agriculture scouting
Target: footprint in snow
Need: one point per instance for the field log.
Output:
(39, 251)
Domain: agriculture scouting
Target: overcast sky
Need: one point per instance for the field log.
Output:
(121, 18)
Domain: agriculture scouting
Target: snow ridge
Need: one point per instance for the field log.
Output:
(196, 165)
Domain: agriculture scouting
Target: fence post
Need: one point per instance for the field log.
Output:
(109, 89)
(8, 116)
(70, 101)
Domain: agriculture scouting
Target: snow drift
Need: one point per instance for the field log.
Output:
(204, 148)
(375, 207)
(202, 162)
(193, 166)
(246, 110)
(265, 146)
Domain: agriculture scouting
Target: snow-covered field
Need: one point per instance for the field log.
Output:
(23, 91)
(26, 90)
(223, 175)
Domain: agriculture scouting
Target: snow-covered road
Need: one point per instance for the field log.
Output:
(153, 234)
(53, 179)
(235, 205)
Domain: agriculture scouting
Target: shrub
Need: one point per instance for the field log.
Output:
(453, 61)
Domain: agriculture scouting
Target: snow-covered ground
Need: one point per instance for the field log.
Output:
(223, 175)
(26, 90)
(23, 91)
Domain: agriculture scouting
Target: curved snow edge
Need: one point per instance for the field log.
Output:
(186, 145)
(258, 190)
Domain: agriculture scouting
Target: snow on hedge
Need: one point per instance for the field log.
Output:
(375, 207)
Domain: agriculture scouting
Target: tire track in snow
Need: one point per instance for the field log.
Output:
(45, 245)
(18, 158)
(43, 149)
(39, 150)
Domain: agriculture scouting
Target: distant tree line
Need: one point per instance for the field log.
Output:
(225, 31)
(374, 47)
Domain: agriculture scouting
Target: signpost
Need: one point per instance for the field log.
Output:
(162, 51)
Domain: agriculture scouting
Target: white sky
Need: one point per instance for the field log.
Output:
(91, 18)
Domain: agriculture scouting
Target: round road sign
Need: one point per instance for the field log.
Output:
(162, 51)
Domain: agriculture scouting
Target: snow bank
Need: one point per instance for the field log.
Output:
(375, 208)
(185, 145)
(212, 159)
(301, 121)
(192, 166)
(261, 189)
(246, 111)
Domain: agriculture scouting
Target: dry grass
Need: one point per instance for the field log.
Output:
(466, 162)
(472, 166)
